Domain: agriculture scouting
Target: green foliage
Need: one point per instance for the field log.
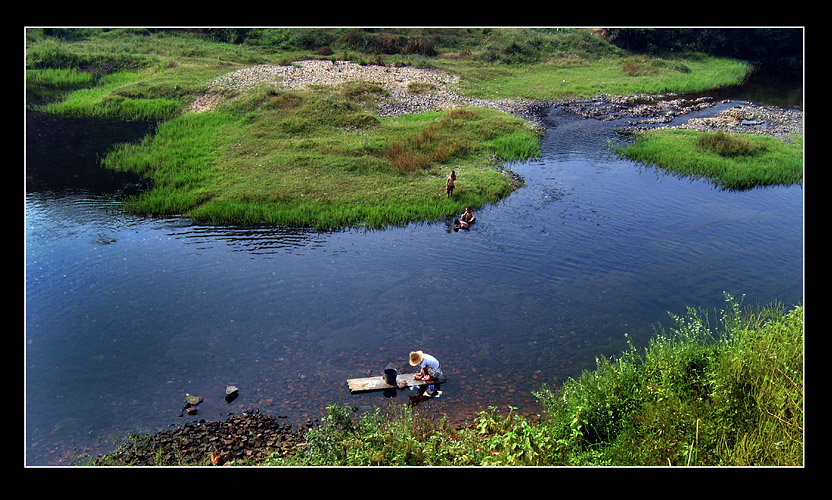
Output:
(759, 391)
(726, 144)
(384, 437)
(732, 161)
(514, 441)
(697, 396)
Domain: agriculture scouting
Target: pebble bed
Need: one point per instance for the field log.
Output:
(643, 111)
(240, 439)
(753, 119)
(395, 79)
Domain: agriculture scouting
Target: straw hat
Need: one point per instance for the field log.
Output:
(415, 358)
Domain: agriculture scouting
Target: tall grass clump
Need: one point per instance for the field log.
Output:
(731, 161)
(59, 78)
(700, 394)
(112, 98)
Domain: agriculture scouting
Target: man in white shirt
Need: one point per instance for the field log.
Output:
(429, 368)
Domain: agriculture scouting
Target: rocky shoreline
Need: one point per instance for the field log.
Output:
(647, 111)
(238, 439)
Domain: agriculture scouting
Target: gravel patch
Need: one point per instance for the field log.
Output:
(753, 119)
(442, 94)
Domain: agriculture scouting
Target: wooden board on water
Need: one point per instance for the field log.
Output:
(379, 383)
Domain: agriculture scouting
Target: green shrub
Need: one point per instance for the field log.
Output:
(726, 144)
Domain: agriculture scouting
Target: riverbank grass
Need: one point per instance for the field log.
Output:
(321, 157)
(730, 160)
(562, 77)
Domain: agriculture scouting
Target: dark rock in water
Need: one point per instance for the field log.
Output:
(231, 393)
(190, 404)
(192, 400)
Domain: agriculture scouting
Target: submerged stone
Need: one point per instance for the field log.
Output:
(192, 400)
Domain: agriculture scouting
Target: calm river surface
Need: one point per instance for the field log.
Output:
(125, 315)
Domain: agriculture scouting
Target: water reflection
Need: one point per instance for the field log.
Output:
(256, 241)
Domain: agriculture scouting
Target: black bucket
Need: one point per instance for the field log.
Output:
(390, 374)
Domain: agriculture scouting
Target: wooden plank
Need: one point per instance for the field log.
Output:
(366, 384)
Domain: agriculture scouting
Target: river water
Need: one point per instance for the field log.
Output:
(124, 315)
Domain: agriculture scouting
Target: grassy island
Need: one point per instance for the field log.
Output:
(322, 156)
(730, 160)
